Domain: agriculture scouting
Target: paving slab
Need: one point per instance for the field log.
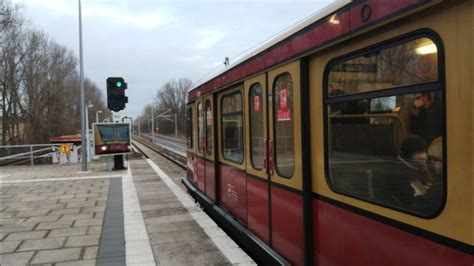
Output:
(87, 222)
(8, 246)
(38, 244)
(91, 252)
(57, 255)
(26, 235)
(54, 225)
(17, 258)
(80, 241)
(68, 232)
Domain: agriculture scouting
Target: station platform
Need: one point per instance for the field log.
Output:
(58, 215)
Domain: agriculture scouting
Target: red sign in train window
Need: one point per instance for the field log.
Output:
(284, 113)
(256, 103)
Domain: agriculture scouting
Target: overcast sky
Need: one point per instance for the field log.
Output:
(149, 42)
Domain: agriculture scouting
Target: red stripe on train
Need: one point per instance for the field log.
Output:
(346, 238)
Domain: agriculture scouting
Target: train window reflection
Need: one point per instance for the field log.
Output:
(123, 133)
(385, 148)
(208, 109)
(256, 126)
(107, 133)
(408, 63)
(190, 130)
(284, 148)
(232, 131)
(392, 158)
(382, 105)
(200, 125)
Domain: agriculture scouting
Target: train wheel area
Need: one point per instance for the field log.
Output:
(139, 216)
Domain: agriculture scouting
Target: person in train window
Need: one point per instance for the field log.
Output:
(432, 199)
(336, 108)
(409, 177)
(425, 117)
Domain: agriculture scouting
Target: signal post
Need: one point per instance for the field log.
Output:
(116, 101)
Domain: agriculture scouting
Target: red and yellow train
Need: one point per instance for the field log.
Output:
(347, 140)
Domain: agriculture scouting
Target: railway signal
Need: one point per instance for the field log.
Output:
(116, 98)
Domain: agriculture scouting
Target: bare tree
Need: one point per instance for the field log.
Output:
(39, 82)
(172, 95)
(11, 53)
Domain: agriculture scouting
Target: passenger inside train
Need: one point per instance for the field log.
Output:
(378, 146)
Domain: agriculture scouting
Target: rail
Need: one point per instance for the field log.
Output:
(172, 156)
(171, 144)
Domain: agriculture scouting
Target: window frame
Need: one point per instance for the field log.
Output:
(439, 85)
(190, 128)
(206, 149)
(274, 122)
(200, 141)
(230, 94)
(250, 123)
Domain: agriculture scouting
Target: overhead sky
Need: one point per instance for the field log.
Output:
(149, 42)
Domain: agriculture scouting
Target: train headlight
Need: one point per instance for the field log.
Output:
(129, 147)
(104, 148)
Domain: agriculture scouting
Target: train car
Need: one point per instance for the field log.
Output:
(111, 138)
(346, 140)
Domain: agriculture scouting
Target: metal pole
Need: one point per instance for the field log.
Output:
(152, 126)
(87, 131)
(175, 126)
(97, 116)
(83, 126)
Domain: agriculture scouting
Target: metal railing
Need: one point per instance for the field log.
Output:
(18, 153)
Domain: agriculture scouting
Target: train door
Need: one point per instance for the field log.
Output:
(200, 161)
(209, 170)
(231, 167)
(285, 162)
(191, 143)
(258, 208)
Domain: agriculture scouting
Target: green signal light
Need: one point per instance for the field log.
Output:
(118, 84)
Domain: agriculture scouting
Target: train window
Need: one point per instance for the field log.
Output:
(208, 109)
(200, 125)
(123, 132)
(256, 126)
(232, 135)
(107, 133)
(189, 118)
(408, 63)
(386, 147)
(284, 126)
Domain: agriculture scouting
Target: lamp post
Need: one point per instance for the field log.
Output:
(97, 116)
(81, 75)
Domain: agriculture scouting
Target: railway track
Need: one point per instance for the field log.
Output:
(171, 144)
(174, 157)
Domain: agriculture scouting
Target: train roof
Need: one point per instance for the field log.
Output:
(318, 15)
(339, 20)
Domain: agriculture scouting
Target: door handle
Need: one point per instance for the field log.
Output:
(265, 163)
(270, 157)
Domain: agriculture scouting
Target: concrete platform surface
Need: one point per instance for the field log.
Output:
(58, 215)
